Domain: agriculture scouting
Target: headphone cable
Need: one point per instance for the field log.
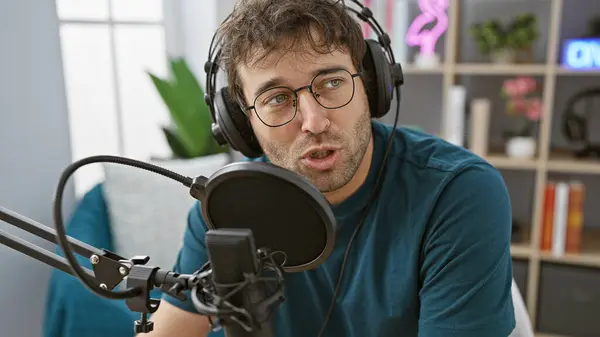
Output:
(372, 198)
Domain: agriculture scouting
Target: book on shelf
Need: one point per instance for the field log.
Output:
(562, 218)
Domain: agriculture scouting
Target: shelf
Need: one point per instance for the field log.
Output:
(500, 69)
(541, 334)
(560, 162)
(556, 163)
(546, 164)
(583, 259)
(412, 69)
(503, 162)
(590, 251)
(520, 250)
(584, 72)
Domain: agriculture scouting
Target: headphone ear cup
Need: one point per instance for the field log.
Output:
(378, 78)
(233, 125)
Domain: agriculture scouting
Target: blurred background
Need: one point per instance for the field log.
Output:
(515, 81)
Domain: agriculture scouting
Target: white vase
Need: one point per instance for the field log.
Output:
(521, 147)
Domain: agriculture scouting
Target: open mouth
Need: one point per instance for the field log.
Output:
(320, 154)
(321, 160)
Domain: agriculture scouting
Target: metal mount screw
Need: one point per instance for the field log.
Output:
(94, 259)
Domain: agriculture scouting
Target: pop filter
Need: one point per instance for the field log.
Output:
(284, 211)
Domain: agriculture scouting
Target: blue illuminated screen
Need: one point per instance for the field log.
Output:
(581, 53)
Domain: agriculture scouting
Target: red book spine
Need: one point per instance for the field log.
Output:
(548, 217)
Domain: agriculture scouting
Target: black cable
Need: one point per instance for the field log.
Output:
(365, 15)
(372, 197)
(61, 235)
(384, 40)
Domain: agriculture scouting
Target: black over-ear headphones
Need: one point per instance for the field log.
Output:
(383, 76)
(575, 123)
(231, 125)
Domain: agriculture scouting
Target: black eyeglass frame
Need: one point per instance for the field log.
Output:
(309, 87)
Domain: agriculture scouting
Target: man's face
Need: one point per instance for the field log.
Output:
(326, 146)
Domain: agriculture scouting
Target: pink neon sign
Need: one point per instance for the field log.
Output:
(426, 39)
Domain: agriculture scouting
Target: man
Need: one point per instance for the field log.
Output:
(432, 258)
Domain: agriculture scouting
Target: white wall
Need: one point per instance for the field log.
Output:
(197, 23)
(34, 149)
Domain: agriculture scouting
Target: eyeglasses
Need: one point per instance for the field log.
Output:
(332, 89)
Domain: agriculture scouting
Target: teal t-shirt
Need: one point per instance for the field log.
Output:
(432, 259)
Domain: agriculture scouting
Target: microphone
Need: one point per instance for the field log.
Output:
(294, 228)
(256, 212)
(234, 260)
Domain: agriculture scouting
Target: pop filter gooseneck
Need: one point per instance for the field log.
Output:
(286, 213)
(246, 195)
(280, 206)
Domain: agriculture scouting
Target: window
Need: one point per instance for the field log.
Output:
(108, 46)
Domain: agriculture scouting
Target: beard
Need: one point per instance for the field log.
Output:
(353, 144)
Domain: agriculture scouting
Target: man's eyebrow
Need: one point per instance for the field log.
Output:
(268, 84)
(275, 81)
(329, 69)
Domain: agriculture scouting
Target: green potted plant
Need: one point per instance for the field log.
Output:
(522, 33)
(194, 149)
(491, 39)
(190, 134)
(504, 43)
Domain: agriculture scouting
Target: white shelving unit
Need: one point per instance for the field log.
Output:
(546, 161)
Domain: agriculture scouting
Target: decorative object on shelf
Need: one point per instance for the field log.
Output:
(503, 56)
(523, 104)
(562, 217)
(581, 54)
(575, 122)
(455, 115)
(504, 45)
(426, 39)
(522, 33)
(520, 147)
(479, 126)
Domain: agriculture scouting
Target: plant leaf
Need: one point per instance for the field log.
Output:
(184, 99)
(179, 150)
(195, 120)
(169, 95)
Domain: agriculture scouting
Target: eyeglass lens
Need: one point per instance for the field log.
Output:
(277, 106)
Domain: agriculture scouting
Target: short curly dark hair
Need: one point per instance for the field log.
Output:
(256, 28)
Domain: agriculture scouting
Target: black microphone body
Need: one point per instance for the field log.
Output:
(234, 260)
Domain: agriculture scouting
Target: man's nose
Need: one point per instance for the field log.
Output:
(313, 115)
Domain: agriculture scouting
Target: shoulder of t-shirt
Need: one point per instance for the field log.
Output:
(418, 150)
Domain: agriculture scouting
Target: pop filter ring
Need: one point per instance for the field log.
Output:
(260, 169)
